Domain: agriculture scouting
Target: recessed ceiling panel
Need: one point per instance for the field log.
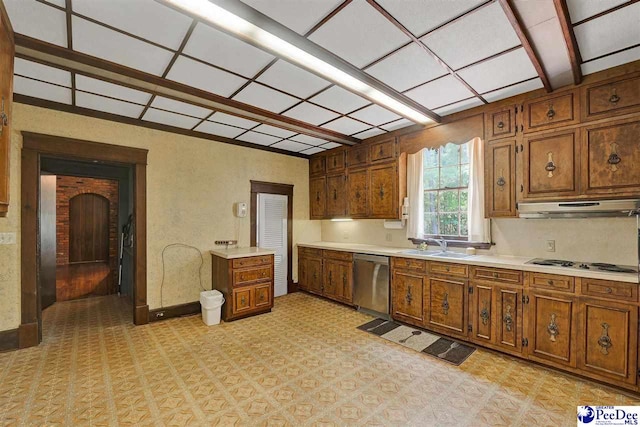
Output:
(170, 119)
(611, 61)
(229, 119)
(443, 91)
(339, 99)
(37, 20)
(108, 105)
(272, 130)
(500, 71)
(201, 76)
(300, 16)
(291, 79)
(263, 97)
(109, 89)
(180, 107)
(609, 33)
(330, 145)
(42, 72)
(310, 113)
(258, 138)
(583, 9)
(312, 150)
(474, 37)
(36, 89)
(144, 18)
(289, 145)
(398, 124)
(311, 140)
(459, 106)
(420, 16)
(359, 34)
(517, 89)
(225, 51)
(369, 133)
(107, 44)
(375, 115)
(346, 126)
(407, 68)
(219, 129)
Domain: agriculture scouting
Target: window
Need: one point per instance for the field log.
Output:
(446, 182)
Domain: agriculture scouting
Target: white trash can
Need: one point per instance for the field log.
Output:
(211, 302)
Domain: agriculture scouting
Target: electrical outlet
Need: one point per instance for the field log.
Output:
(551, 245)
(7, 238)
(388, 237)
(159, 314)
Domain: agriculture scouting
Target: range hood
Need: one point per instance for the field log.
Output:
(579, 209)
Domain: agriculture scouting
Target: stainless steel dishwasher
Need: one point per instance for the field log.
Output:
(371, 284)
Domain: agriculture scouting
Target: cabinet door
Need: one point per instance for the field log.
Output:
(344, 281)
(314, 274)
(263, 296)
(608, 339)
(500, 187)
(6, 95)
(336, 160)
(508, 317)
(610, 159)
(551, 111)
(303, 273)
(482, 313)
(551, 165)
(383, 192)
(552, 335)
(318, 197)
(358, 194)
(331, 279)
(407, 291)
(610, 98)
(242, 299)
(358, 155)
(501, 123)
(318, 165)
(382, 151)
(447, 309)
(336, 197)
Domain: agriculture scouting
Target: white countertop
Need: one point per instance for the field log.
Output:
(498, 261)
(241, 252)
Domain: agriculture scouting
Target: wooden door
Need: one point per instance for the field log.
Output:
(383, 192)
(608, 335)
(358, 193)
(303, 273)
(610, 158)
(500, 158)
(7, 50)
(508, 318)
(551, 331)
(501, 123)
(314, 275)
(482, 313)
(551, 165)
(407, 295)
(88, 228)
(447, 309)
(336, 196)
(318, 196)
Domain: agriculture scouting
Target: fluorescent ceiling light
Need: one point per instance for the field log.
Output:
(244, 29)
(341, 219)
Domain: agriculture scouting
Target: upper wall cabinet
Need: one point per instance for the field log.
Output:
(500, 162)
(7, 50)
(318, 165)
(612, 97)
(551, 111)
(336, 161)
(501, 123)
(382, 151)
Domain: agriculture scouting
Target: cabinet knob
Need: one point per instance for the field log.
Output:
(445, 304)
(317, 196)
(551, 112)
(609, 290)
(335, 194)
(605, 340)
(4, 119)
(508, 319)
(501, 182)
(484, 314)
(614, 99)
(552, 328)
(447, 268)
(550, 282)
(242, 300)
(381, 191)
(261, 297)
(500, 125)
(550, 166)
(495, 275)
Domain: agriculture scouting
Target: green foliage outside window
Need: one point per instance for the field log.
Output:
(446, 179)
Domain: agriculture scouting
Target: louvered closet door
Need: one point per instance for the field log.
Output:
(272, 234)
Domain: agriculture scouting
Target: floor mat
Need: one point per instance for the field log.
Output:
(419, 340)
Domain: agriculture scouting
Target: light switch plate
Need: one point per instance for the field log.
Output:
(551, 245)
(7, 238)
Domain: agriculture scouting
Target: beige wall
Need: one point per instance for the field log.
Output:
(192, 185)
(611, 240)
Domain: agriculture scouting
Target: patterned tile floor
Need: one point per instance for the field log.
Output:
(303, 364)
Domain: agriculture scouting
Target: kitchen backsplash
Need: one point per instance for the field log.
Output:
(612, 240)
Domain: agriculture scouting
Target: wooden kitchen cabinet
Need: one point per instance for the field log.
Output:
(338, 277)
(551, 165)
(336, 160)
(382, 151)
(407, 296)
(482, 312)
(611, 97)
(326, 273)
(310, 270)
(318, 197)
(358, 156)
(610, 158)
(501, 123)
(358, 193)
(500, 187)
(383, 191)
(336, 196)
(7, 51)
(447, 308)
(318, 165)
(551, 111)
(508, 319)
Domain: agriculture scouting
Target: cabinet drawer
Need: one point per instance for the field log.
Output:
(252, 275)
(318, 165)
(252, 261)
(609, 289)
(550, 112)
(339, 255)
(409, 264)
(497, 275)
(552, 281)
(310, 252)
(382, 151)
(617, 97)
(449, 269)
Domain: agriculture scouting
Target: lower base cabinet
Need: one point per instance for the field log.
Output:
(407, 297)
(326, 273)
(447, 305)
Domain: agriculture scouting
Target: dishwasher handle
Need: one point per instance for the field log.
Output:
(372, 258)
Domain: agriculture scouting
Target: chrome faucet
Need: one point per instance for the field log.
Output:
(442, 242)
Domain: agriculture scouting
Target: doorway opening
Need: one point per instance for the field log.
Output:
(78, 197)
(272, 228)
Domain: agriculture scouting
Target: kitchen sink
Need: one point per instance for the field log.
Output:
(419, 252)
(451, 255)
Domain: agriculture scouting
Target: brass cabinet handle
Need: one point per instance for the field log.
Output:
(335, 194)
(445, 304)
(4, 119)
(495, 275)
(609, 290)
(550, 282)
(614, 158)
(551, 112)
(315, 275)
(501, 182)
(335, 162)
(500, 125)
(552, 328)
(605, 341)
(317, 196)
(381, 191)
(357, 194)
(409, 297)
(484, 314)
(261, 297)
(447, 268)
(550, 166)
(381, 151)
(344, 279)
(330, 278)
(242, 300)
(614, 99)
(508, 319)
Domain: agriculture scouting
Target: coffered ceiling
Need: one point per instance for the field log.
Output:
(437, 55)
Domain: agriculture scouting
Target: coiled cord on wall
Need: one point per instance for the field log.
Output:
(181, 245)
